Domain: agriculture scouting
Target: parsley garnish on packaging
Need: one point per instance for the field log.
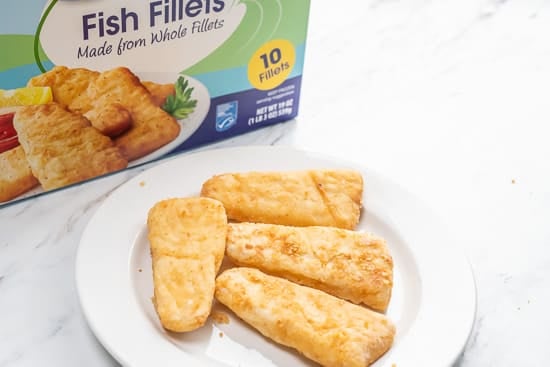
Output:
(180, 105)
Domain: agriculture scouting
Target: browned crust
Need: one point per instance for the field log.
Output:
(62, 147)
(352, 265)
(324, 328)
(151, 128)
(159, 92)
(296, 198)
(69, 86)
(105, 105)
(16, 175)
(187, 240)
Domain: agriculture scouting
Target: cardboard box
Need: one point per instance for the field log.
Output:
(88, 88)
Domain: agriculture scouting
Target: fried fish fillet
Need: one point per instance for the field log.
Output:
(296, 198)
(151, 128)
(159, 92)
(16, 176)
(352, 265)
(69, 87)
(111, 119)
(73, 89)
(187, 239)
(62, 147)
(326, 329)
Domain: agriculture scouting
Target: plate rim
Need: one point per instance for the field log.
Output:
(175, 160)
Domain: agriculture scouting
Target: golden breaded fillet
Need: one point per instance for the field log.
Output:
(69, 87)
(112, 119)
(75, 89)
(187, 239)
(159, 92)
(151, 127)
(16, 176)
(326, 329)
(296, 198)
(62, 148)
(352, 265)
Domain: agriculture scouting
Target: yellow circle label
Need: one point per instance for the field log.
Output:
(271, 64)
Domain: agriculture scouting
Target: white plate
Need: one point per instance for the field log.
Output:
(433, 302)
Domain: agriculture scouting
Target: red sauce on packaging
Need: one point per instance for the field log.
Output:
(8, 135)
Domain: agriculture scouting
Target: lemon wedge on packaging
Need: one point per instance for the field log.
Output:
(25, 96)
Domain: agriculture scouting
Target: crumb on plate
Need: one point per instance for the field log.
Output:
(220, 317)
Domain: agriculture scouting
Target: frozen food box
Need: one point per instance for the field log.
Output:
(92, 87)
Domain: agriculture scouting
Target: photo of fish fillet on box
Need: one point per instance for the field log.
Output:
(72, 124)
(306, 284)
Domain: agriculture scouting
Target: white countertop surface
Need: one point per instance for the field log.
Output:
(447, 98)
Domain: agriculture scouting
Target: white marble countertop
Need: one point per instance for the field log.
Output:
(448, 98)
